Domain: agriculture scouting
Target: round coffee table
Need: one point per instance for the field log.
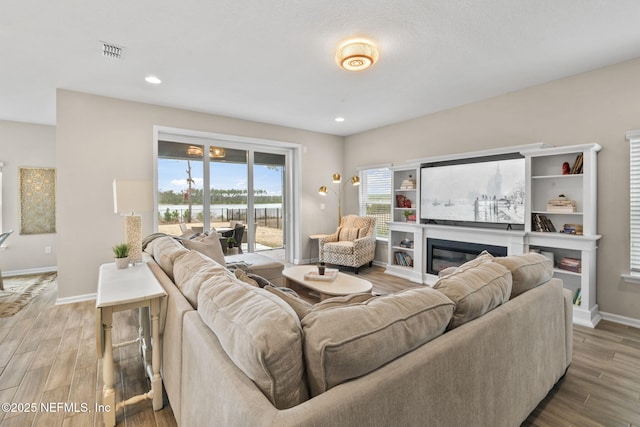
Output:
(344, 284)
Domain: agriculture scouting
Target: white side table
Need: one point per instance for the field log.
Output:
(315, 238)
(126, 289)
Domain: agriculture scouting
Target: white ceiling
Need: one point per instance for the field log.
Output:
(273, 60)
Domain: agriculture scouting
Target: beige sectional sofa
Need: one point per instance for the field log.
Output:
(482, 349)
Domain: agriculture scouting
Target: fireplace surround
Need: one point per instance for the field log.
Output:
(442, 253)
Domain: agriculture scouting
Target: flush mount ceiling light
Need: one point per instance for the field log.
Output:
(356, 54)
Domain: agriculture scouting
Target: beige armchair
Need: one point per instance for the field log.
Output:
(352, 245)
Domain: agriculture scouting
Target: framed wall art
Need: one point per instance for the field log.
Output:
(37, 200)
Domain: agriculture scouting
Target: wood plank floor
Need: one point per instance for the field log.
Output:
(48, 355)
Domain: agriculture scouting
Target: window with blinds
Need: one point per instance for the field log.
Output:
(375, 197)
(634, 197)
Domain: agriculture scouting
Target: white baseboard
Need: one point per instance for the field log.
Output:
(76, 298)
(629, 321)
(30, 271)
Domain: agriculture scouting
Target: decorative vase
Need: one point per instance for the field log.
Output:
(122, 262)
(321, 268)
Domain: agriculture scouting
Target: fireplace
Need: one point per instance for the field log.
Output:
(449, 253)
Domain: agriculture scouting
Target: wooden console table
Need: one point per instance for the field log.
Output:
(126, 289)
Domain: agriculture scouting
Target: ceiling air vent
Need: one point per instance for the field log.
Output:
(111, 50)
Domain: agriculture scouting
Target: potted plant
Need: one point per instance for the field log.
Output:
(406, 215)
(232, 246)
(121, 254)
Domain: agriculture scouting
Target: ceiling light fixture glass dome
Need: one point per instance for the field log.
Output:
(356, 54)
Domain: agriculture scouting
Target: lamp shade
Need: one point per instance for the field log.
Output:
(132, 196)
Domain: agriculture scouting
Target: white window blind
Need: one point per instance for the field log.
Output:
(375, 197)
(634, 197)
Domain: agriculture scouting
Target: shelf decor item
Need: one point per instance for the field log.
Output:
(321, 268)
(329, 275)
(121, 254)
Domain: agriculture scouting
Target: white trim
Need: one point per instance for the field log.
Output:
(293, 159)
(51, 269)
(74, 299)
(623, 320)
(632, 135)
(483, 153)
(379, 166)
(632, 277)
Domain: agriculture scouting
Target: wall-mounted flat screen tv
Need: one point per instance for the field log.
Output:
(482, 190)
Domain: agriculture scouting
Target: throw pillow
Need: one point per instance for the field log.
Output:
(208, 245)
(475, 290)
(240, 274)
(262, 282)
(261, 335)
(348, 233)
(346, 342)
(528, 271)
(482, 258)
(300, 306)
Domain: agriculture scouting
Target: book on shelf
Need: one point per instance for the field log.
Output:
(570, 264)
(572, 229)
(403, 259)
(561, 205)
(408, 184)
(577, 165)
(577, 296)
(542, 223)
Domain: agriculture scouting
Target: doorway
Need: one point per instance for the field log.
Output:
(216, 184)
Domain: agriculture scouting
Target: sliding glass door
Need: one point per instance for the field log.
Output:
(242, 184)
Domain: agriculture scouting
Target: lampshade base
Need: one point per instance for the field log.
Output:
(133, 233)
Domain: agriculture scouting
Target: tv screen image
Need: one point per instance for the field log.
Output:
(490, 191)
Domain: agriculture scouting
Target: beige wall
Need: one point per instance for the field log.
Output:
(30, 145)
(99, 139)
(598, 106)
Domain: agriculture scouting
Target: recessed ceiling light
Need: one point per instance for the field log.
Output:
(153, 80)
(339, 119)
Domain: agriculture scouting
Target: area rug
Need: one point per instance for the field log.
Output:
(19, 290)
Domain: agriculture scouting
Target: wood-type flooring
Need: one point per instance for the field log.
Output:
(48, 356)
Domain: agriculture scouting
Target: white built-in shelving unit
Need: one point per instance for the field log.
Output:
(544, 181)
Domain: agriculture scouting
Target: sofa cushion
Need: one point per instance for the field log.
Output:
(527, 271)
(476, 290)
(208, 245)
(346, 342)
(341, 247)
(166, 250)
(261, 334)
(191, 271)
(342, 301)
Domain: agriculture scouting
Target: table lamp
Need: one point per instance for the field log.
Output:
(130, 197)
